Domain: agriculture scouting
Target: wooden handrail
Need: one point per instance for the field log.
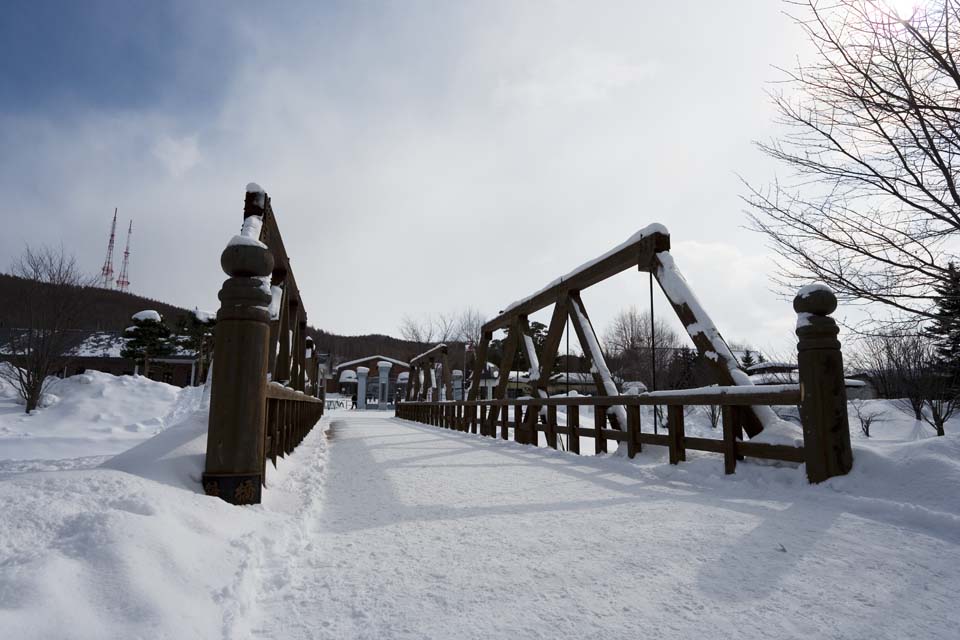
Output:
(727, 396)
(277, 391)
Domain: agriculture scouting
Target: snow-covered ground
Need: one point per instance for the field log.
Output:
(381, 528)
(85, 416)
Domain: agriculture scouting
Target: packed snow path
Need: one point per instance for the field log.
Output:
(401, 530)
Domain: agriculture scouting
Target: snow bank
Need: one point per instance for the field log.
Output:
(96, 414)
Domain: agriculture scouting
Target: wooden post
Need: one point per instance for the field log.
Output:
(823, 394)
(599, 424)
(551, 429)
(731, 433)
(678, 451)
(573, 424)
(235, 436)
(633, 428)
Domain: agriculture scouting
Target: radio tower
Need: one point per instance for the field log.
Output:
(106, 273)
(123, 282)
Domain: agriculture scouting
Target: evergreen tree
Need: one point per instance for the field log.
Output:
(196, 333)
(148, 338)
(944, 331)
(748, 360)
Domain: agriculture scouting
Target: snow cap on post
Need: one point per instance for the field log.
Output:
(256, 197)
(816, 298)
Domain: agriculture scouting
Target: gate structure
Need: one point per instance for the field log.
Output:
(259, 408)
(821, 393)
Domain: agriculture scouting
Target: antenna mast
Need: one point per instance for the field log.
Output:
(106, 273)
(123, 282)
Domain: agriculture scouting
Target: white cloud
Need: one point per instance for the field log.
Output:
(178, 155)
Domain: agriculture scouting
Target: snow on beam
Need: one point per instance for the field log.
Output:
(636, 252)
(429, 353)
(707, 338)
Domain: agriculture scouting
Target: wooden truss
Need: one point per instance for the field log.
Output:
(426, 365)
(288, 324)
(649, 251)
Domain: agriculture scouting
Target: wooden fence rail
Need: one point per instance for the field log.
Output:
(259, 408)
(821, 396)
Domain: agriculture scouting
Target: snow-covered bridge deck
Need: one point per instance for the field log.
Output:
(409, 531)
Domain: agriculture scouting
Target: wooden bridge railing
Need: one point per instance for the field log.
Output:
(821, 396)
(487, 416)
(259, 408)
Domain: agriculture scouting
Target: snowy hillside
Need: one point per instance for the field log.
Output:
(378, 528)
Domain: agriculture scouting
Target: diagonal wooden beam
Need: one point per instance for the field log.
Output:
(506, 364)
(480, 361)
(551, 344)
(591, 348)
(701, 329)
(637, 251)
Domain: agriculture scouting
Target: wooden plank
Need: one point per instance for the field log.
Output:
(660, 439)
(633, 428)
(704, 444)
(766, 451)
(638, 253)
(505, 422)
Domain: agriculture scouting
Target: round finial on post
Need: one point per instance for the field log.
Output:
(815, 298)
(246, 260)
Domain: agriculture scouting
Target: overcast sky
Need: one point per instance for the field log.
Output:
(421, 157)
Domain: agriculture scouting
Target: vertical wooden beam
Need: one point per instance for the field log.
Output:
(677, 439)
(551, 426)
(573, 424)
(278, 279)
(447, 375)
(599, 424)
(633, 428)
(731, 429)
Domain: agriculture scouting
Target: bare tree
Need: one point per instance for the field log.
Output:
(51, 300)
(872, 151)
(464, 326)
(713, 413)
(446, 327)
(631, 349)
(470, 325)
(417, 329)
(865, 416)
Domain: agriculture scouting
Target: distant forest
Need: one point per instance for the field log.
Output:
(111, 311)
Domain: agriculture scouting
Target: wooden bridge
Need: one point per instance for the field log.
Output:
(266, 391)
